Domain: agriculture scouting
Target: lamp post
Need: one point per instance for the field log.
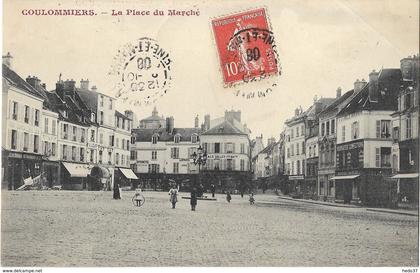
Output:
(200, 158)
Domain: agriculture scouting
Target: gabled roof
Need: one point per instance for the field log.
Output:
(337, 104)
(269, 148)
(152, 118)
(389, 81)
(145, 135)
(14, 79)
(121, 115)
(225, 128)
(90, 98)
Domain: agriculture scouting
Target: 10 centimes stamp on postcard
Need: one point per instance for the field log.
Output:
(246, 48)
(142, 72)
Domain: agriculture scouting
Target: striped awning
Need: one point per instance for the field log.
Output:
(128, 173)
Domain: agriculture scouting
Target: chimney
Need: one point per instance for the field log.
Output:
(338, 92)
(84, 84)
(297, 112)
(271, 140)
(373, 86)
(206, 122)
(43, 85)
(34, 82)
(358, 85)
(196, 122)
(410, 67)
(94, 89)
(7, 60)
(171, 123)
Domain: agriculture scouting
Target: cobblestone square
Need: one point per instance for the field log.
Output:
(65, 228)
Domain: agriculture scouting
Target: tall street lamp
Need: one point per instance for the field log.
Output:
(200, 158)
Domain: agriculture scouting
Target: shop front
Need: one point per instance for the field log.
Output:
(347, 188)
(74, 176)
(99, 179)
(407, 188)
(296, 183)
(19, 166)
(125, 177)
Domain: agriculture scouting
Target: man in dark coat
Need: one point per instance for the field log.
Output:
(213, 190)
(117, 192)
(193, 201)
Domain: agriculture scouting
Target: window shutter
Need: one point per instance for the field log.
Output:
(378, 129)
(378, 157)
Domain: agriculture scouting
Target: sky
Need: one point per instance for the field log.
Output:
(322, 45)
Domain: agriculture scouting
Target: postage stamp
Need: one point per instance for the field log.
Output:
(143, 72)
(246, 48)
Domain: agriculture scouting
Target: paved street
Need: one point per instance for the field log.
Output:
(64, 228)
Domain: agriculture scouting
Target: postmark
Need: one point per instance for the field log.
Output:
(246, 48)
(142, 71)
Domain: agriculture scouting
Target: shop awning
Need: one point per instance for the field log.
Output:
(129, 173)
(296, 177)
(405, 175)
(344, 177)
(77, 170)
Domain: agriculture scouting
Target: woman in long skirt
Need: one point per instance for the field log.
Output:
(193, 201)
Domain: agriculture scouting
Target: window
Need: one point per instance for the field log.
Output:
(73, 153)
(383, 157)
(100, 157)
(297, 131)
(176, 167)
(36, 117)
(101, 138)
(109, 158)
(64, 152)
(53, 125)
(14, 140)
(26, 114)
(122, 160)
(177, 138)
(117, 142)
(92, 135)
(122, 144)
(408, 127)
(298, 167)
(82, 154)
(128, 145)
(132, 155)
(174, 152)
(194, 138)
(332, 126)
(74, 133)
(53, 149)
(110, 104)
(407, 101)
(242, 148)
(117, 158)
(396, 134)
(117, 121)
(293, 168)
(82, 137)
(323, 129)
(133, 140)
(216, 148)
(154, 155)
(297, 149)
(102, 101)
(355, 130)
(111, 141)
(383, 129)
(154, 139)
(36, 143)
(288, 168)
(229, 164)
(92, 155)
(310, 151)
(293, 150)
(25, 142)
(242, 165)
(288, 152)
(46, 125)
(292, 135)
(15, 110)
(101, 121)
(229, 148)
(343, 133)
(65, 131)
(153, 168)
(123, 124)
(303, 147)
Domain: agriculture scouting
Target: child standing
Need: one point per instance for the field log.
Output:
(228, 197)
(251, 199)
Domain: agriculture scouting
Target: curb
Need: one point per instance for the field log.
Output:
(319, 203)
(393, 212)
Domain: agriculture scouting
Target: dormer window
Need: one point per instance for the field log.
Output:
(194, 138)
(154, 139)
(177, 138)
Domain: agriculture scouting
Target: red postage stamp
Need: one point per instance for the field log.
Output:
(246, 47)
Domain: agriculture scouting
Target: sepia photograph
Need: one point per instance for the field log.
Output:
(216, 135)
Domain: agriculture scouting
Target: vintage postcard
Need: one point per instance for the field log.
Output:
(210, 134)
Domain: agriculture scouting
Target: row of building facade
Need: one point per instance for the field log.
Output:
(361, 146)
(73, 137)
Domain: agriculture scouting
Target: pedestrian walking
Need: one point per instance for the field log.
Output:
(138, 196)
(213, 190)
(242, 193)
(228, 197)
(193, 200)
(251, 199)
(173, 196)
(117, 194)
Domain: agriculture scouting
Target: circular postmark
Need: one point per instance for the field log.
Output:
(142, 72)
